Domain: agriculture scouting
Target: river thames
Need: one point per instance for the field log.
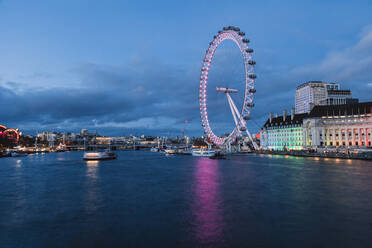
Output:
(146, 199)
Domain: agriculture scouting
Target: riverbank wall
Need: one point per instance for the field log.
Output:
(351, 155)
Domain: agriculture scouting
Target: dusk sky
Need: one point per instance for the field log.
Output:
(121, 67)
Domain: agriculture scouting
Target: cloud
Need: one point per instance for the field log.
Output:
(136, 96)
(350, 64)
(147, 95)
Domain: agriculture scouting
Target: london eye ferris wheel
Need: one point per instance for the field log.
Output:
(240, 116)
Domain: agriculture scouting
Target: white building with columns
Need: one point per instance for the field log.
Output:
(347, 125)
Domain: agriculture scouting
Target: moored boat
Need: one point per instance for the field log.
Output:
(170, 151)
(61, 148)
(154, 149)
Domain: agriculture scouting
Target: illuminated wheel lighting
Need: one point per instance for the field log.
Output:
(2, 128)
(234, 34)
(12, 134)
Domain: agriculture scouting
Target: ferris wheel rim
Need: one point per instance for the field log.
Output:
(234, 34)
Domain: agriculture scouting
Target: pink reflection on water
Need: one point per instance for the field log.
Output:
(206, 208)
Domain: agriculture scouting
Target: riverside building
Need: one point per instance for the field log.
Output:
(283, 132)
(347, 125)
(332, 126)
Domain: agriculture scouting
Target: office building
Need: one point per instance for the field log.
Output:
(315, 93)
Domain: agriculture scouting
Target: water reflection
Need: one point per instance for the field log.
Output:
(338, 161)
(92, 167)
(18, 163)
(207, 209)
(92, 197)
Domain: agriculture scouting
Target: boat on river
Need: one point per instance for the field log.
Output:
(170, 151)
(61, 148)
(105, 155)
(154, 149)
(203, 152)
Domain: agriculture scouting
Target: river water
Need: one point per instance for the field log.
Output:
(146, 199)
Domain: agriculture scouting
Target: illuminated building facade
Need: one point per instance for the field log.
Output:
(283, 132)
(333, 126)
(347, 125)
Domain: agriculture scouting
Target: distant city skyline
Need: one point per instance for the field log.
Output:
(133, 67)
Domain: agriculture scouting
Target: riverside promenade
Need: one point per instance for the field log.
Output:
(364, 155)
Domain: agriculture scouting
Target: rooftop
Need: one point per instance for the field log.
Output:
(319, 111)
(343, 109)
(309, 83)
(277, 121)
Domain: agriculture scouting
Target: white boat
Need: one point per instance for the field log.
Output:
(154, 149)
(203, 152)
(170, 151)
(105, 155)
(61, 148)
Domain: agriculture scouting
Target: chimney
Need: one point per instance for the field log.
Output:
(271, 117)
(284, 115)
(292, 113)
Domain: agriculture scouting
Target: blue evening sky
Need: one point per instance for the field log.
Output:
(123, 67)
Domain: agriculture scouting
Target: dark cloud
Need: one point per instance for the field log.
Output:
(141, 96)
(155, 98)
